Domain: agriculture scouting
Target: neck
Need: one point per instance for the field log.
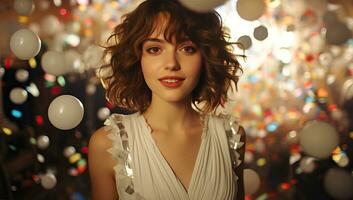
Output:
(170, 116)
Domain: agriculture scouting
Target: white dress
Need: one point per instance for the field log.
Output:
(142, 172)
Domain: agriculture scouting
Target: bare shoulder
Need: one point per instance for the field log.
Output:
(100, 140)
(99, 143)
(101, 166)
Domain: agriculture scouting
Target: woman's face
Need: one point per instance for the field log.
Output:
(170, 70)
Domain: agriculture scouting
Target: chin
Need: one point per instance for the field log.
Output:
(175, 98)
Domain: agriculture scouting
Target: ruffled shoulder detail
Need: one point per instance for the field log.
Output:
(120, 151)
(231, 126)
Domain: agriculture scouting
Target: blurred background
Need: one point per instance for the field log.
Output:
(294, 98)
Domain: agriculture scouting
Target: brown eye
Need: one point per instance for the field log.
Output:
(189, 49)
(153, 50)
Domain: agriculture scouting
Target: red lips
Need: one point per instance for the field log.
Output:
(171, 81)
(171, 78)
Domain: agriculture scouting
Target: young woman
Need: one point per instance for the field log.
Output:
(173, 67)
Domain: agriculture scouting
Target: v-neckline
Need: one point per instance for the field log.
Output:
(204, 121)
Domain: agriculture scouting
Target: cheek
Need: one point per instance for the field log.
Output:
(196, 68)
(146, 68)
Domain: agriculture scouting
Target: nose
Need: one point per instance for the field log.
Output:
(172, 61)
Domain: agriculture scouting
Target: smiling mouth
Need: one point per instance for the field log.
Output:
(171, 83)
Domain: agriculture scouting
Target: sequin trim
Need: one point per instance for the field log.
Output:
(231, 128)
(121, 153)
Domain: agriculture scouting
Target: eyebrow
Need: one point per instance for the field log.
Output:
(153, 40)
(163, 41)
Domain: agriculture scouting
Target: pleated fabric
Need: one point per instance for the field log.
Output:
(153, 179)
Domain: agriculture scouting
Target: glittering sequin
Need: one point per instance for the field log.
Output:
(121, 153)
(232, 127)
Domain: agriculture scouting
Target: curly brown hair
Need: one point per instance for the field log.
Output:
(126, 87)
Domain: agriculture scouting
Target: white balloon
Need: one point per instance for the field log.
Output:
(25, 44)
(325, 59)
(35, 28)
(73, 60)
(347, 90)
(251, 9)
(202, 5)
(292, 137)
(307, 164)
(53, 62)
(51, 25)
(93, 56)
(338, 33)
(295, 8)
(91, 88)
(22, 75)
(260, 33)
(43, 142)
(23, 7)
(18, 95)
(65, 112)
(43, 5)
(245, 42)
(103, 113)
(58, 43)
(339, 183)
(318, 139)
(68, 151)
(251, 181)
(48, 181)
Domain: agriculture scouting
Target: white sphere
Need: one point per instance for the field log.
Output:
(23, 7)
(292, 137)
(25, 44)
(307, 164)
(22, 75)
(91, 88)
(53, 62)
(245, 42)
(51, 25)
(339, 183)
(43, 142)
(251, 9)
(34, 27)
(338, 33)
(260, 33)
(73, 60)
(343, 161)
(93, 57)
(48, 181)
(251, 181)
(325, 59)
(347, 90)
(65, 112)
(103, 113)
(68, 151)
(18, 95)
(202, 5)
(318, 139)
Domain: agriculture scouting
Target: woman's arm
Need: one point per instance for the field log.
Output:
(239, 170)
(101, 167)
